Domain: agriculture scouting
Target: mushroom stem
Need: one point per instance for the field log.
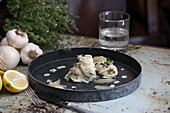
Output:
(3, 67)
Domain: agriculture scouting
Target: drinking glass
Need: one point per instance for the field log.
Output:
(114, 30)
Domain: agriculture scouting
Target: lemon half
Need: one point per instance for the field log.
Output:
(1, 75)
(1, 83)
(15, 81)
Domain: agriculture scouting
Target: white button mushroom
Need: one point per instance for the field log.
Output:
(17, 39)
(9, 57)
(29, 52)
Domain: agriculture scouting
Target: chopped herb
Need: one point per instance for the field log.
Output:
(83, 55)
(109, 60)
(74, 64)
(87, 78)
(90, 73)
(68, 76)
(107, 63)
(76, 74)
(101, 63)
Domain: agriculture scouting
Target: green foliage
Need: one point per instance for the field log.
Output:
(43, 20)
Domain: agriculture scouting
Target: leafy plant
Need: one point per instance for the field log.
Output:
(43, 20)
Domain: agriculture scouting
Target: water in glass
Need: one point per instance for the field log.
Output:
(114, 38)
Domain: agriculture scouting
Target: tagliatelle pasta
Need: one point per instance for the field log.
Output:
(85, 69)
(105, 67)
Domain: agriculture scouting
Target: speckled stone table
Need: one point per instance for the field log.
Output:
(152, 96)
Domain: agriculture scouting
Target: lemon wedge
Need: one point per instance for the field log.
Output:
(15, 81)
(1, 83)
(1, 75)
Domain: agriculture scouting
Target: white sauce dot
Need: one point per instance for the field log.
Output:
(74, 87)
(112, 85)
(61, 67)
(116, 82)
(122, 69)
(124, 76)
(47, 74)
(49, 81)
(53, 70)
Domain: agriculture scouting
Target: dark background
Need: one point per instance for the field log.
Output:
(149, 19)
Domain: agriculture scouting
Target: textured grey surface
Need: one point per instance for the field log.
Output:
(153, 95)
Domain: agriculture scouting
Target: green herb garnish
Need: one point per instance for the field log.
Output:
(83, 55)
(107, 63)
(68, 76)
(74, 64)
(109, 60)
(76, 74)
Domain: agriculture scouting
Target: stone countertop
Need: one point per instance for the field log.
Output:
(152, 96)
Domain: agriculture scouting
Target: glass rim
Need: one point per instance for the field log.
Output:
(116, 12)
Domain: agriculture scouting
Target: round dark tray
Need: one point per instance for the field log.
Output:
(85, 92)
